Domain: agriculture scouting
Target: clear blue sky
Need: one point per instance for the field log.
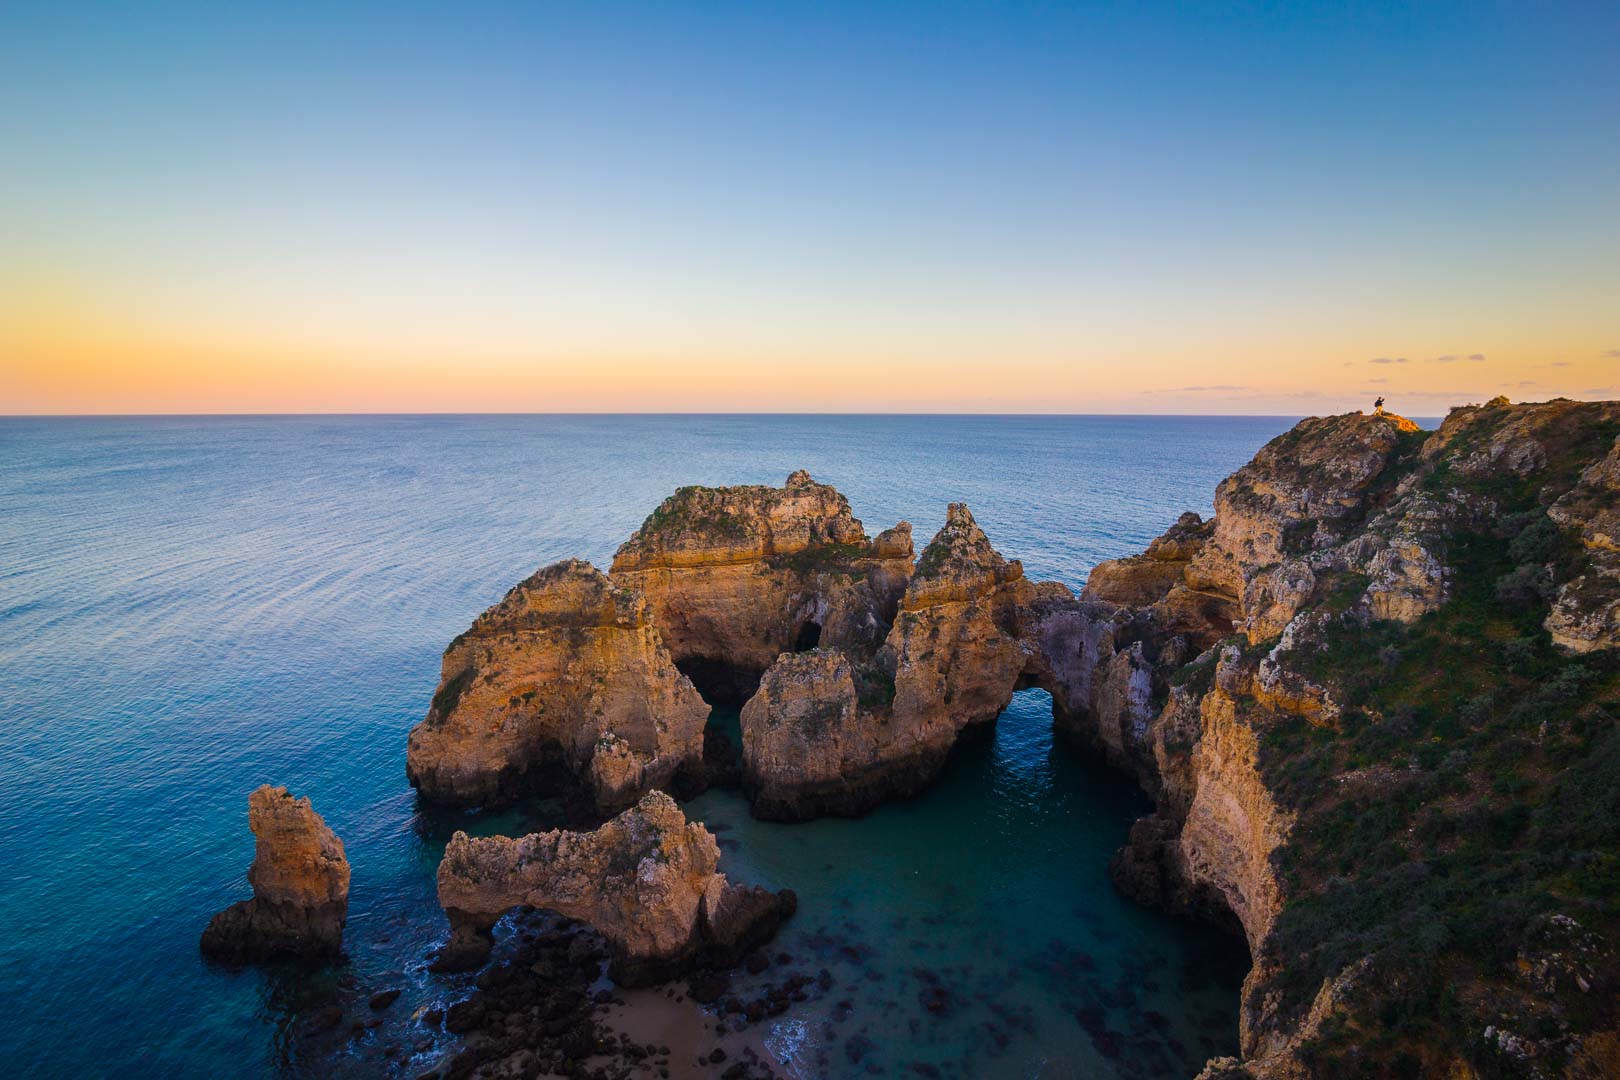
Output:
(1021, 205)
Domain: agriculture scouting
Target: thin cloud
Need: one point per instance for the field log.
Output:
(1598, 390)
(1372, 382)
(1476, 356)
(1449, 358)
(1196, 389)
(1387, 360)
(1555, 363)
(1613, 354)
(1527, 382)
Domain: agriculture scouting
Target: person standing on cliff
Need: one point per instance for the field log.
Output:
(1378, 407)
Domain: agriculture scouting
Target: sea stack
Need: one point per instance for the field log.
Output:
(300, 880)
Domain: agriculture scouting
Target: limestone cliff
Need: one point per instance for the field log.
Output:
(563, 685)
(1418, 696)
(647, 880)
(736, 576)
(871, 667)
(300, 880)
(840, 731)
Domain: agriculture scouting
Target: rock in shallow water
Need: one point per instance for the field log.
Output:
(647, 881)
(300, 880)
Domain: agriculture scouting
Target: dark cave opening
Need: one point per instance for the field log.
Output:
(726, 687)
(809, 636)
(722, 684)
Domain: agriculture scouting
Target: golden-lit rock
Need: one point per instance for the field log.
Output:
(739, 575)
(300, 880)
(563, 684)
(647, 880)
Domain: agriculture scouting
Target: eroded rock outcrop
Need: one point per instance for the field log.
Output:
(565, 684)
(871, 666)
(839, 731)
(300, 880)
(647, 881)
(1586, 614)
(736, 576)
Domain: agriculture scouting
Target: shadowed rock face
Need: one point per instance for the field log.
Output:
(300, 881)
(647, 881)
(1586, 615)
(565, 684)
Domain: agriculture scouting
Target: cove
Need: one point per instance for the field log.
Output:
(195, 607)
(973, 930)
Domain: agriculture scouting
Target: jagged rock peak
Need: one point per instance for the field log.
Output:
(959, 563)
(300, 879)
(647, 881)
(700, 526)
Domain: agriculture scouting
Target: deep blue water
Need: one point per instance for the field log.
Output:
(191, 607)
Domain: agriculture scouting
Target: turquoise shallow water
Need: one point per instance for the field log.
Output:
(192, 607)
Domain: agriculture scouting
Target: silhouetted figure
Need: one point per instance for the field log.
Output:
(1378, 407)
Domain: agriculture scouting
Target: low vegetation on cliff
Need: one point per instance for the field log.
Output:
(1397, 760)
(1459, 826)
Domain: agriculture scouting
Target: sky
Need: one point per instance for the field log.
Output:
(806, 207)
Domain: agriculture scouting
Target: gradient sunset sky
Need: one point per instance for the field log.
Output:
(1040, 207)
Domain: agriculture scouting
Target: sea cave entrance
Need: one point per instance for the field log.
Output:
(726, 688)
(809, 636)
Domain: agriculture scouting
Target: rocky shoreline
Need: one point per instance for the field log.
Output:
(1226, 668)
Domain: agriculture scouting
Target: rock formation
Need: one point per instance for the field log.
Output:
(1248, 660)
(736, 576)
(1586, 614)
(839, 731)
(300, 881)
(647, 881)
(871, 667)
(1386, 642)
(563, 685)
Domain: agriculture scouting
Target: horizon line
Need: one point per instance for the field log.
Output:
(282, 415)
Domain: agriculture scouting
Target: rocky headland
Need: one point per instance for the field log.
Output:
(300, 880)
(1374, 699)
(1391, 758)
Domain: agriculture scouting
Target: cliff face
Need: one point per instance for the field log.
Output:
(840, 731)
(300, 880)
(739, 575)
(564, 683)
(1377, 706)
(647, 880)
(866, 667)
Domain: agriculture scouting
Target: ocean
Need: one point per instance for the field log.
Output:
(191, 607)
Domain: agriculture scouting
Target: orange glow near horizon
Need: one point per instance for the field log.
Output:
(751, 208)
(65, 356)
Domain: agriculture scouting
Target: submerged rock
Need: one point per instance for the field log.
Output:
(300, 880)
(647, 881)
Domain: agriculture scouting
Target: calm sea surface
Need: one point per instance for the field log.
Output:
(192, 607)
